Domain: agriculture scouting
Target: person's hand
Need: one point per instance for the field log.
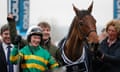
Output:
(10, 17)
(93, 47)
(17, 40)
(99, 54)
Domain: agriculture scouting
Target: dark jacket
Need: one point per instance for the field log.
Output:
(50, 47)
(3, 63)
(13, 32)
(111, 60)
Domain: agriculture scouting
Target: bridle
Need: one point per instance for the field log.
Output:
(84, 35)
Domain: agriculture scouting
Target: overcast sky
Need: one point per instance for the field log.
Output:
(60, 12)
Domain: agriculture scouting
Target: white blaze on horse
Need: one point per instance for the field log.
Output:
(75, 48)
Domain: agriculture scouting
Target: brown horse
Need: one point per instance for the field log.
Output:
(82, 33)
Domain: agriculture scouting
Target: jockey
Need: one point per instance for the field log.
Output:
(46, 41)
(33, 58)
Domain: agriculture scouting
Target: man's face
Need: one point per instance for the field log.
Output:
(6, 36)
(35, 40)
(46, 33)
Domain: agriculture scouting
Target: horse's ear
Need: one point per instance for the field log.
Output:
(75, 9)
(90, 8)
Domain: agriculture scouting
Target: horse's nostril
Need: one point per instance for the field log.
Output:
(81, 23)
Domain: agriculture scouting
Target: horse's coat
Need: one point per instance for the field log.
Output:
(74, 48)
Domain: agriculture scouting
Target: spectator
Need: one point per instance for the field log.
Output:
(33, 58)
(109, 50)
(47, 44)
(5, 49)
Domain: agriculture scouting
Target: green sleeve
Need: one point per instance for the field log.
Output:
(53, 63)
(15, 55)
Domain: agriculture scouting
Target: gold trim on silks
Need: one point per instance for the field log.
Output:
(27, 57)
(54, 65)
(33, 65)
(14, 58)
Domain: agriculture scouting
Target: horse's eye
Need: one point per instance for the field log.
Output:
(81, 23)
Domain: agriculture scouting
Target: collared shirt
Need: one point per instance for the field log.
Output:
(6, 49)
(110, 42)
(4, 45)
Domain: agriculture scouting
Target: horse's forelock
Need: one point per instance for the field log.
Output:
(83, 13)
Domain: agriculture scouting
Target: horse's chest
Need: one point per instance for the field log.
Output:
(79, 60)
(79, 64)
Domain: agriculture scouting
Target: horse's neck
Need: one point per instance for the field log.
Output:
(73, 48)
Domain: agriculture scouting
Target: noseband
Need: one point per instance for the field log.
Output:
(85, 36)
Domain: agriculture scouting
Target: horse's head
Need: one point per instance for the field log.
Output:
(86, 24)
(82, 31)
